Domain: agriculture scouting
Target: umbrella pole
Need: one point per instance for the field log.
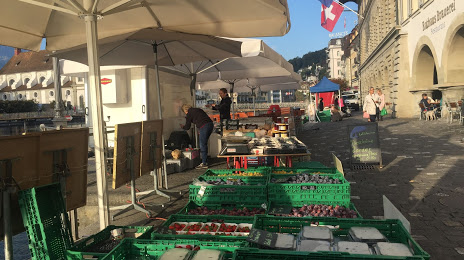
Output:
(194, 98)
(232, 94)
(97, 116)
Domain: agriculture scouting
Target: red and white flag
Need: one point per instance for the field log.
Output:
(330, 16)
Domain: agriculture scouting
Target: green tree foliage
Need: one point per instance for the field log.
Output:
(18, 106)
(323, 73)
(309, 59)
(343, 83)
(300, 96)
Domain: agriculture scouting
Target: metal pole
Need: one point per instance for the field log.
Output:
(194, 97)
(232, 94)
(8, 237)
(160, 114)
(97, 114)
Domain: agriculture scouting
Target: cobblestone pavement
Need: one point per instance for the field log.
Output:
(422, 175)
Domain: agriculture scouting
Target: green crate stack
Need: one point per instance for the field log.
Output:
(298, 170)
(202, 219)
(282, 193)
(46, 222)
(227, 206)
(392, 229)
(213, 194)
(152, 249)
(309, 165)
(264, 171)
(90, 247)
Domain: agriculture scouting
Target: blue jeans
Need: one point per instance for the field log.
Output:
(205, 132)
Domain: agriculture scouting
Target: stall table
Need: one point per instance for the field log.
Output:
(241, 160)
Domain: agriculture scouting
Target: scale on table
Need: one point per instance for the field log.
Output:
(235, 145)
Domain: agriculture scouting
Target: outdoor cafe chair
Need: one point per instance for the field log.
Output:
(422, 112)
(453, 110)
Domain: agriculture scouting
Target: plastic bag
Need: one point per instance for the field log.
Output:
(383, 112)
(366, 115)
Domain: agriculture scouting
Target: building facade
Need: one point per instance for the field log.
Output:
(350, 59)
(29, 76)
(410, 47)
(334, 59)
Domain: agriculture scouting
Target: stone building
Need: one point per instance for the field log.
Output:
(410, 47)
(29, 76)
(334, 58)
(350, 59)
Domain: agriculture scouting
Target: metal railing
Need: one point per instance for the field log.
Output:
(43, 114)
(240, 106)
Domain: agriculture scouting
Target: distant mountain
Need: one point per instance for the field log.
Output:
(5, 55)
(313, 57)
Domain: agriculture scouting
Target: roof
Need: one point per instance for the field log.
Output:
(325, 85)
(35, 87)
(27, 62)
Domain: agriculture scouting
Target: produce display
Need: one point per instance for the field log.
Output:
(246, 174)
(321, 211)
(211, 228)
(277, 145)
(238, 182)
(230, 212)
(309, 178)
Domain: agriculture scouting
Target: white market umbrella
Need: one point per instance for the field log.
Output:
(65, 24)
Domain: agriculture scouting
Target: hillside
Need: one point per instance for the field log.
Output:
(316, 57)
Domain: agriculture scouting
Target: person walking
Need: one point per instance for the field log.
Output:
(224, 105)
(370, 106)
(205, 125)
(380, 103)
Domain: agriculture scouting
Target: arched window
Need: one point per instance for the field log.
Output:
(51, 93)
(5, 97)
(68, 92)
(41, 80)
(12, 81)
(20, 96)
(36, 94)
(26, 81)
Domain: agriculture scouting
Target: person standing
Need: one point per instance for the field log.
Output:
(205, 125)
(380, 103)
(321, 104)
(224, 105)
(370, 106)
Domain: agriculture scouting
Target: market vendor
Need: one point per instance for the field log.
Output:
(205, 126)
(224, 105)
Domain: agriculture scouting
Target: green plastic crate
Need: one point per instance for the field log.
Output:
(274, 208)
(192, 205)
(309, 165)
(203, 219)
(46, 222)
(213, 194)
(252, 180)
(392, 229)
(89, 247)
(287, 192)
(152, 249)
(262, 254)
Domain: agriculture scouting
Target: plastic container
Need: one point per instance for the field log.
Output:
(42, 209)
(369, 235)
(357, 248)
(285, 208)
(99, 244)
(176, 254)
(208, 254)
(392, 249)
(392, 229)
(252, 194)
(316, 233)
(259, 208)
(314, 246)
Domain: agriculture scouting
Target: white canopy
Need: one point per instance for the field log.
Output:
(23, 25)
(245, 85)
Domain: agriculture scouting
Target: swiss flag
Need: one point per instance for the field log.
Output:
(330, 16)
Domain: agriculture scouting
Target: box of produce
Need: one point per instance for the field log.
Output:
(220, 211)
(330, 209)
(212, 226)
(98, 245)
(153, 249)
(303, 187)
(251, 172)
(392, 233)
(225, 190)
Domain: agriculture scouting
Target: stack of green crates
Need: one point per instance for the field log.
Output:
(46, 222)
(255, 192)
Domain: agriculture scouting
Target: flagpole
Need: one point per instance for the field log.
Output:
(349, 8)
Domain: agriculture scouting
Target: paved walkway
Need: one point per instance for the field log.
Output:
(423, 176)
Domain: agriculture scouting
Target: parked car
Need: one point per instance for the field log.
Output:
(351, 100)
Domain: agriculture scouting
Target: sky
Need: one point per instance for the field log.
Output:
(306, 33)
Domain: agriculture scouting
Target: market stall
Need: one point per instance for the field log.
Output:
(325, 89)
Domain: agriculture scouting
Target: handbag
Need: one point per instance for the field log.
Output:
(366, 115)
(383, 112)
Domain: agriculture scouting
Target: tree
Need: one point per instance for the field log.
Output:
(300, 96)
(342, 82)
